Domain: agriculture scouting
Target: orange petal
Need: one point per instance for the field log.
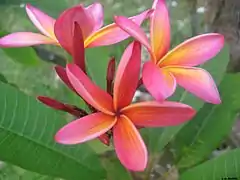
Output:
(89, 91)
(127, 76)
(160, 83)
(155, 114)
(112, 34)
(129, 145)
(42, 21)
(85, 129)
(197, 81)
(194, 51)
(160, 29)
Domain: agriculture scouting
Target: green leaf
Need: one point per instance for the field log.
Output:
(26, 55)
(27, 140)
(96, 63)
(217, 67)
(226, 166)
(196, 140)
(114, 168)
(3, 79)
(10, 172)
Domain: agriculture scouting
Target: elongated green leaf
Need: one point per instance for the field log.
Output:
(217, 67)
(26, 139)
(197, 140)
(226, 166)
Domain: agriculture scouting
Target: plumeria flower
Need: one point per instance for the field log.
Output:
(169, 68)
(71, 109)
(116, 115)
(59, 32)
(79, 60)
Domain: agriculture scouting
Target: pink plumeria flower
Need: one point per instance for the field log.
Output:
(167, 69)
(116, 114)
(71, 109)
(59, 32)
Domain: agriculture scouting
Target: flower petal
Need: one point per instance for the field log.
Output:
(61, 106)
(96, 11)
(42, 21)
(112, 34)
(85, 129)
(61, 72)
(197, 81)
(24, 39)
(104, 138)
(127, 76)
(194, 51)
(78, 47)
(133, 30)
(51, 102)
(160, 29)
(89, 91)
(64, 26)
(160, 83)
(155, 114)
(129, 145)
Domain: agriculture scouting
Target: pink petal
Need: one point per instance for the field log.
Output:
(133, 30)
(78, 47)
(96, 11)
(112, 34)
(89, 91)
(42, 21)
(197, 81)
(64, 26)
(155, 114)
(160, 29)
(160, 83)
(61, 72)
(194, 51)
(127, 76)
(85, 129)
(24, 39)
(129, 145)
(51, 102)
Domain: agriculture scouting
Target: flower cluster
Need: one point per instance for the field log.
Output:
(111, 114)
